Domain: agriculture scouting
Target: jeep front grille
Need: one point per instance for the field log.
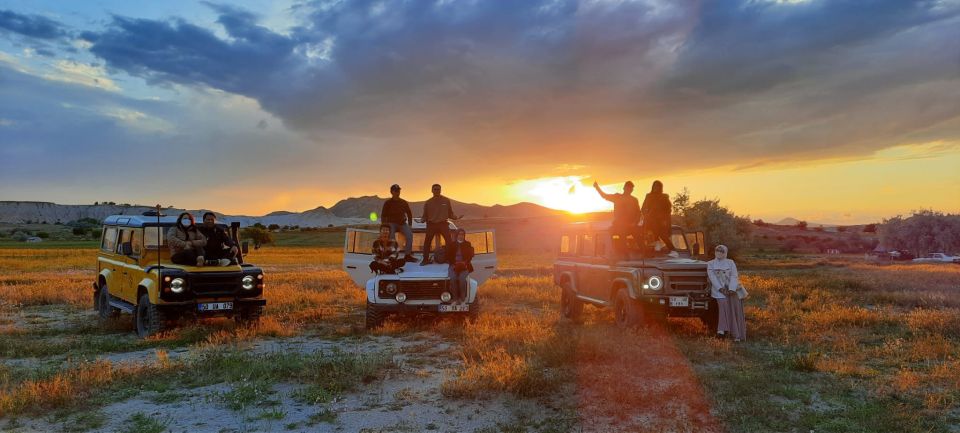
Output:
(416, 290)
(215, 283)
(687, 282)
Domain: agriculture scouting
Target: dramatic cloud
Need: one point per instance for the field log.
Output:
(34, 26)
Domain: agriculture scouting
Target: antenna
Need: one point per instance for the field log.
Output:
(159, 241)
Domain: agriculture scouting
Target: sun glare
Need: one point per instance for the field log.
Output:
(565, 193)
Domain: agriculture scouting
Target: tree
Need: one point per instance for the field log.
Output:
(43, 235)
(79, 231)
(802, 225)
(719, 224)
(870, 228)
(258, 235)
(272, 227)
(924, 232)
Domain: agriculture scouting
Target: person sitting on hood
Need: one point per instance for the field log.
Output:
(186, 242)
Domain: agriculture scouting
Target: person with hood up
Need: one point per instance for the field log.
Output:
(729, 294)
(186, 242)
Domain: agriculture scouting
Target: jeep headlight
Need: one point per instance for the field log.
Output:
(391, 288)
(247, 282)
(445, 296)
(401, 297)
(654, 283)
(177, 285)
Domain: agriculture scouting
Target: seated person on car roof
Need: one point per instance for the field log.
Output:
(221, 249)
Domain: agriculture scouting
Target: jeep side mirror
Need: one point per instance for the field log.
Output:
(126, 248)
(245, 247)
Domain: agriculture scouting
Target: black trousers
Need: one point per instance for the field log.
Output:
(185, 257)
(433, 229)
(217, 253)
(662, 232)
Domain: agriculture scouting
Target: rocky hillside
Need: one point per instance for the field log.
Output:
(345, 212)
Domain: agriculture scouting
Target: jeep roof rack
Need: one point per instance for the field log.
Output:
(153, 213)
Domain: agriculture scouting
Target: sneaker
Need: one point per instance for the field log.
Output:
(425, 262)
(224, 262)
(409, 258)
(673, 254)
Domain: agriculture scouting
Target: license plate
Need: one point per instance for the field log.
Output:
(215, 306)
(454, 308)
(679, 301)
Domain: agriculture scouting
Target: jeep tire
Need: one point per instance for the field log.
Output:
(104, 310)
(626, 312)
(249, 315)
(148, 318)
(375, 317)
(571, 307)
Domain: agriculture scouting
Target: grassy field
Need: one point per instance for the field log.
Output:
(834, 344)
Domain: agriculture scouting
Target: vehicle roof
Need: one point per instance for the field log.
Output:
(597, 226)
(138, 220)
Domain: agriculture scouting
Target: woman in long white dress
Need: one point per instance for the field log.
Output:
(729, 295)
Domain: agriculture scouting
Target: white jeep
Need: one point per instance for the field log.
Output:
(416, 289)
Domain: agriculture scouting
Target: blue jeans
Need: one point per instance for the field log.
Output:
(458, 284)
(407, 233)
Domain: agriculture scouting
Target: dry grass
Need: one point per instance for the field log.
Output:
(835, 344)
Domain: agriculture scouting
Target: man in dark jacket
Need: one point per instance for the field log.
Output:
(626, 211)
(220, 248)
(396, 214)
(459, 255)
(436, 211)
(656, 216)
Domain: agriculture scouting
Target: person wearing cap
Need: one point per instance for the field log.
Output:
(396, 214)
(656, 216)
(626, 212)
(459, 255)
(436, 211)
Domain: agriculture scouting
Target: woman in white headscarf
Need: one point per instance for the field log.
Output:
(729, 295)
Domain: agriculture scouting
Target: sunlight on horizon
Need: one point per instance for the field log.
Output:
(567, 193)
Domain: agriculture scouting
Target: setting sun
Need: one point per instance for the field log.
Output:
(567, 193)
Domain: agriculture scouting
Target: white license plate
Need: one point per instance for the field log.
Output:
(215, 306)
(679, 301)
(454, 308)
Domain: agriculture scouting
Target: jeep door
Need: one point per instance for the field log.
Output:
(591, 270)
(485, 254)
(108, 259)
(127, 267)
(358, 253)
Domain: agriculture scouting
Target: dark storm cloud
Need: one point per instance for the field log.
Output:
(594, 82)
(34, 26)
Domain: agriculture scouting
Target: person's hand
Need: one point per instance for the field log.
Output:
(596, 185)
(234, 250)
(200, 261)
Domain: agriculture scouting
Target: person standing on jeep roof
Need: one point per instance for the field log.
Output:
(656, 215)
(220, 247)
(396, 214)
(626, 211)
(186, 242)
(436, 211)
(459, 255)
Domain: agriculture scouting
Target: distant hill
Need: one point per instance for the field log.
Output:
(345, 212)
(362, 207)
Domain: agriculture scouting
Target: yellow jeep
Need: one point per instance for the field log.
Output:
(135, 275)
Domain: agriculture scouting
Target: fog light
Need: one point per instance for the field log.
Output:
(445, 296)
(176, 285)
(401, 297)
(247, 282)
(391, 288)
(655, 283)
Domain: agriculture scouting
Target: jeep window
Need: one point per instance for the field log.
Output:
(482, 242)
(124, 238)
(150, 237)
(109, 242)
(565, 245)
(601, 245)
(679, 242)
(136, 241)
(586, 245)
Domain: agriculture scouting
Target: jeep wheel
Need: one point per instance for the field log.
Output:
(374, 316)
(626, 312)
(104, 310)
(249, 316)
(474, 311)
(711, 318)
(571, 308)
(148, 317)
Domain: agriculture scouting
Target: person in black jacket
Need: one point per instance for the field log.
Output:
(220, 249)
(459, 255)
(437, 210)
(656, 216)
(396, 214)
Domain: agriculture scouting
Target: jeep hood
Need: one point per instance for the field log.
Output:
(667, 264)
(413, 271)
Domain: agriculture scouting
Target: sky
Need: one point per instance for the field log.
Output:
(831, 111)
